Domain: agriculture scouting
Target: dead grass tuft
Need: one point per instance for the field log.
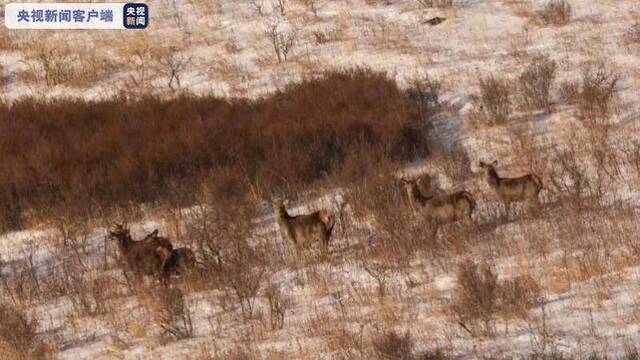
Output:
(555, 12)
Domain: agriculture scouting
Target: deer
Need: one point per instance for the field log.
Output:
(182, 260)
(145, 257)
(526, 187)
(440, 208)
(302, 230)
(177, 261)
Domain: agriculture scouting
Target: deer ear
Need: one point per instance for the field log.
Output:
(154, 233)
(494, 163)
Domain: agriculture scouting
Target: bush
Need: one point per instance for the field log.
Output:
(518, 295)
(392, 346)
(535, 83)
(633, 34)
(17, 331)
(495, 99)
(476, 297)
(436, 3)
(556, 12)
(597, 92)
(10, 210)
(76, 153)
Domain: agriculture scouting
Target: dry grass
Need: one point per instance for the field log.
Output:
(556, 13)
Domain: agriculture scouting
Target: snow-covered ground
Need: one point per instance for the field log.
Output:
(227, 52)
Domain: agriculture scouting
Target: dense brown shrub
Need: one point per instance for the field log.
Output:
(495, 99)
(79, 153)
(518, 295)
(556, 12)
(535, 83)
(476, 298)
(393, 346)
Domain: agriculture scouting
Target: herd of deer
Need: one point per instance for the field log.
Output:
(441, 208)
(155, 255)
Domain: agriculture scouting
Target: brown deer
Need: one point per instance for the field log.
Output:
(178, 261)
(440, 208)
(511, 190)
(181, 261)
(304, 229)
(145, 257)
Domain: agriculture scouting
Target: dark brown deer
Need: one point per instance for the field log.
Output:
(305, 229)
(511, 190)
(145, 257)
(440, 208)
(178, 261)
(181, 261)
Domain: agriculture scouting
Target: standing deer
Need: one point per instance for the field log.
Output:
(146, 257)
(441, 208)
(305, 229)
(511, 190)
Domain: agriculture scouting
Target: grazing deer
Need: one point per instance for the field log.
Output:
(145, 257)
(305, 229)
(511, 190)
(442, 208)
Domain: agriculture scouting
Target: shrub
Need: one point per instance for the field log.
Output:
(243, 275)
(393, 346)
(436, 3)
(426, 93)
(18, 331)
(76, 153)
(278, 305)
(518, 295)
(633, 34)
(10, 209)
(476, 297)
(597, 92)
(556, 12)
(535, 83)
(495, 99)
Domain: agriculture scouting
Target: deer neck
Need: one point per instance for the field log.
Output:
(124, 242)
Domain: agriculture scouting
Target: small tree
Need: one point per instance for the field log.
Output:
(281, 40)
(258, 5)
(278, 305)
(281, 6)
(173, 64)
